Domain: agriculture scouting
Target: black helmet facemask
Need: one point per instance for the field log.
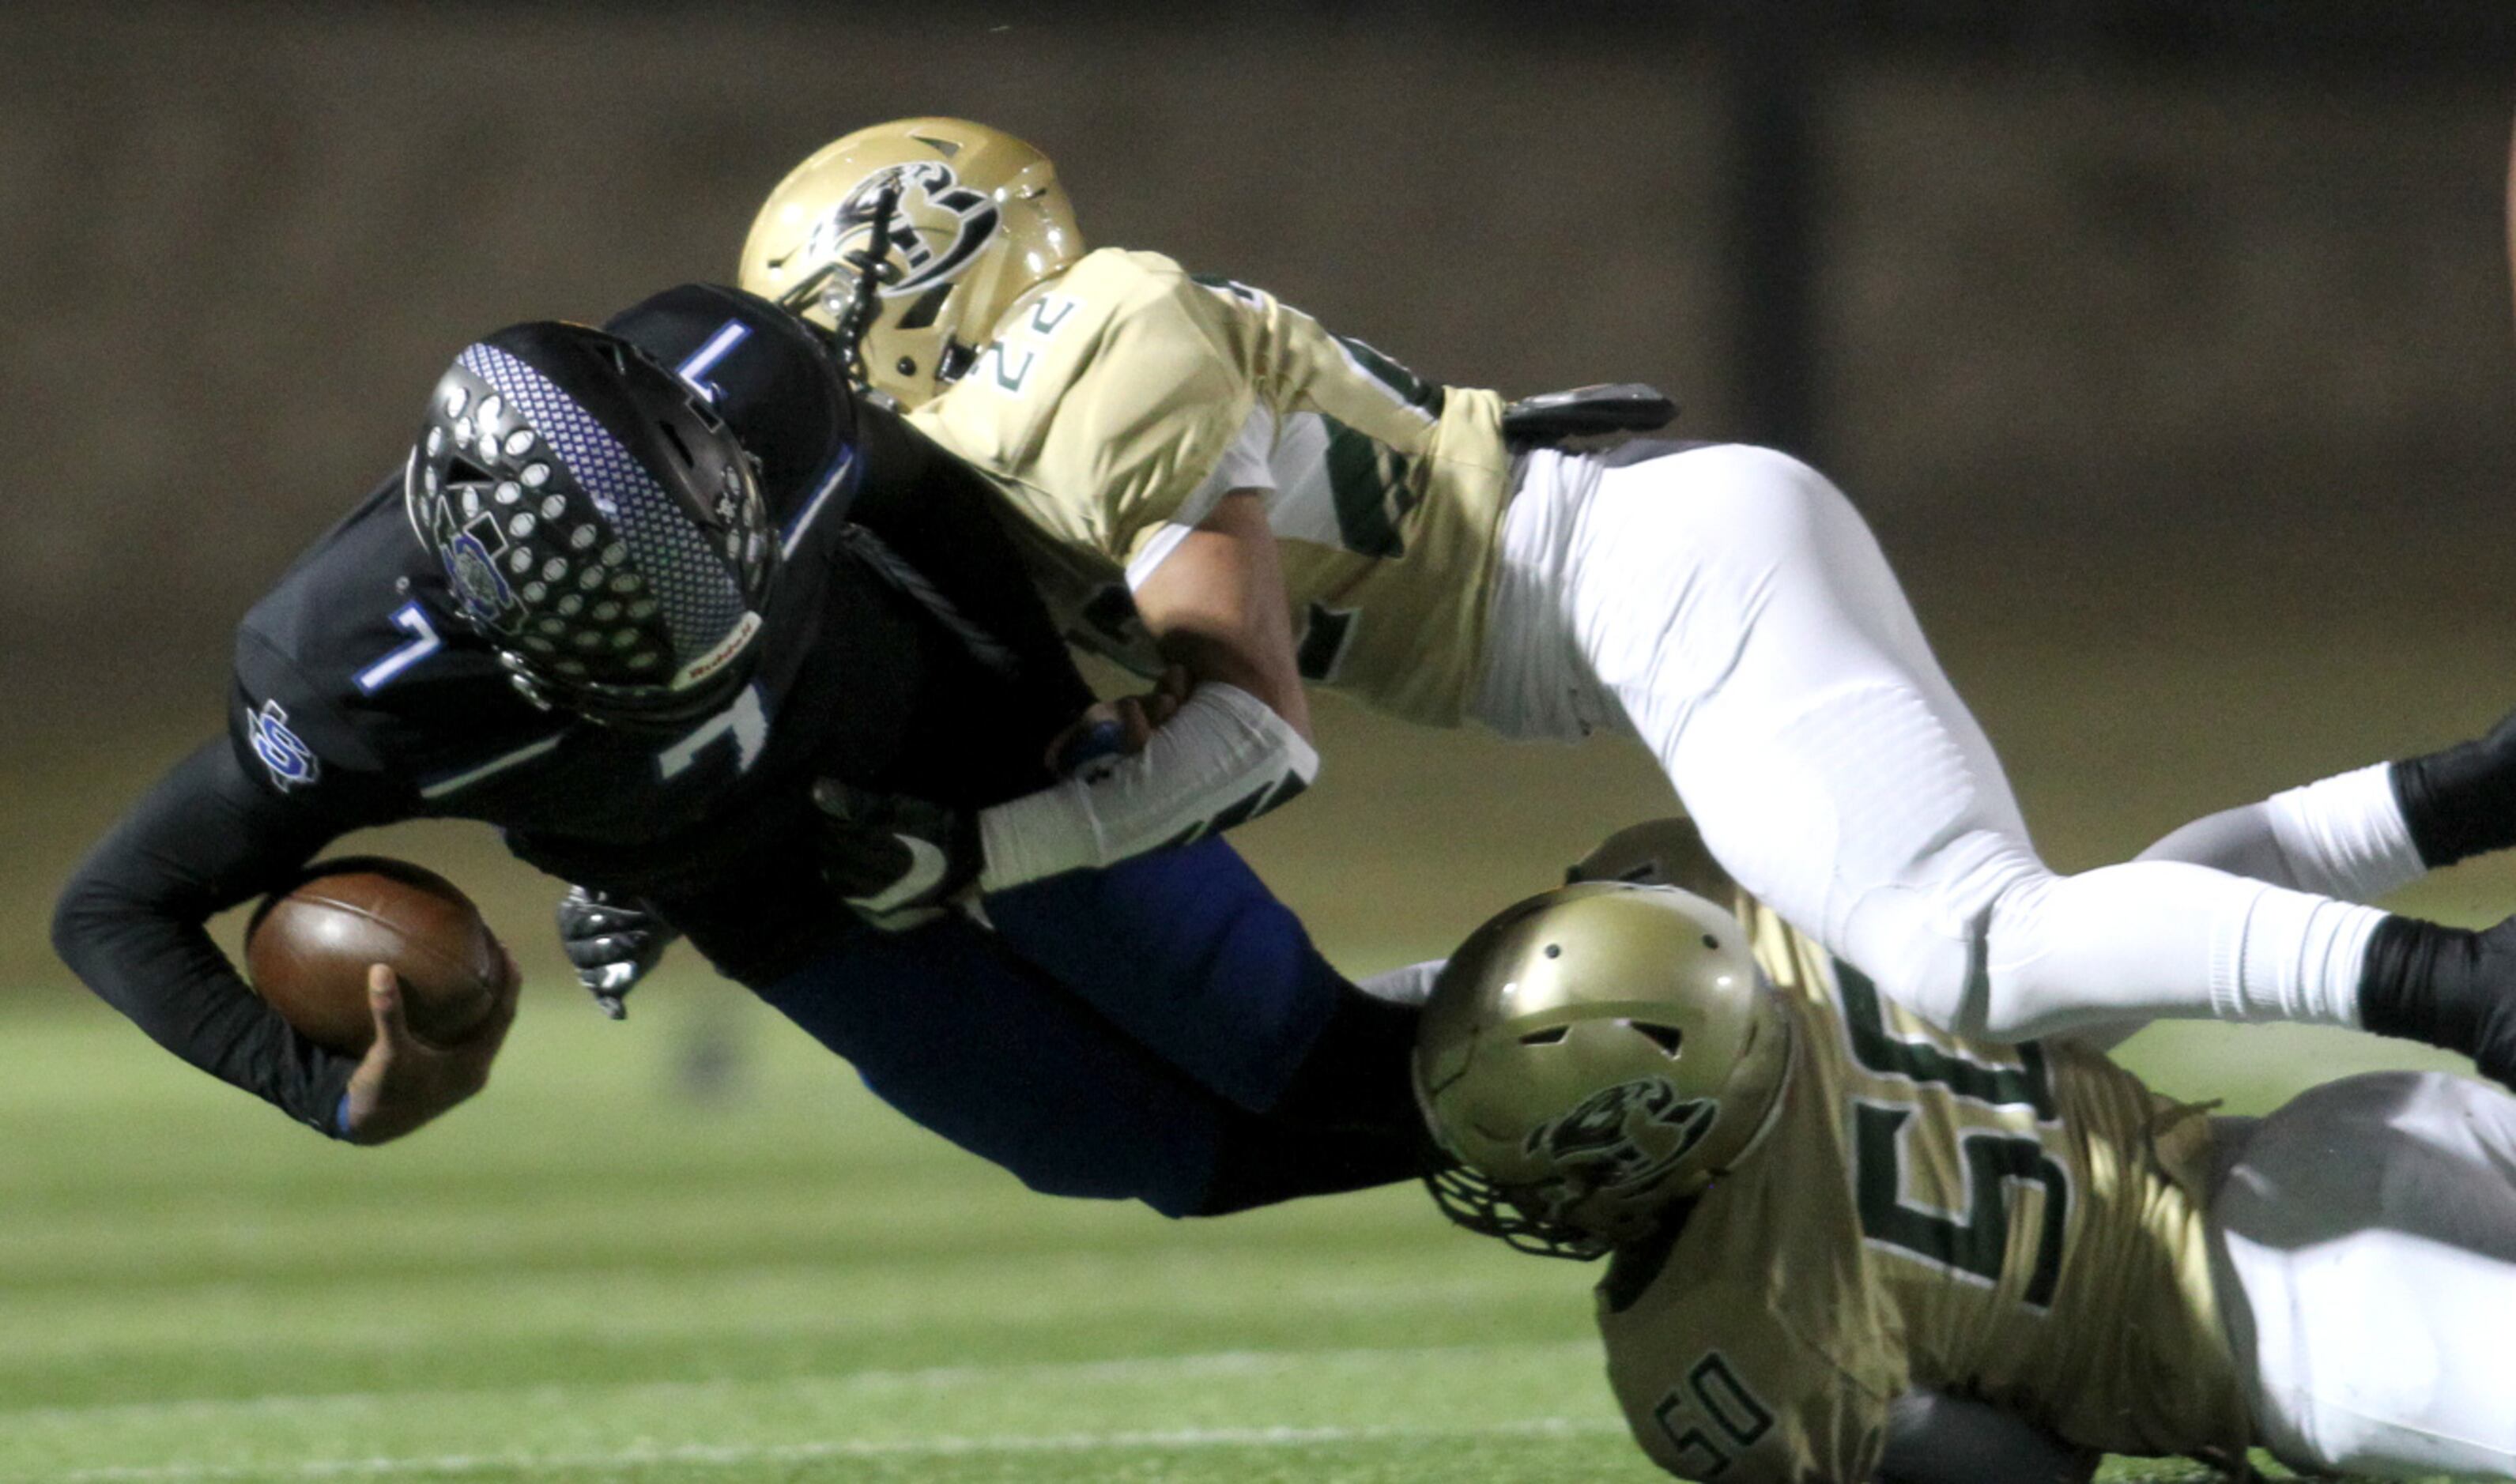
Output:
(598, 524)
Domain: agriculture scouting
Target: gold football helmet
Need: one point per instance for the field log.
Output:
(1592, 1055)
(1661, 852)
(910, 241)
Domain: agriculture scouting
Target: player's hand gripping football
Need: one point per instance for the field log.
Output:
(891, 857)
(403, 1081)
(612, 941)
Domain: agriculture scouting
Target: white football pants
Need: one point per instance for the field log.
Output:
(2363, 1249)
(1727, 606)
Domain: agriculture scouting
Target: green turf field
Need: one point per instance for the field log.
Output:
(597, 1272)
(590, 1276)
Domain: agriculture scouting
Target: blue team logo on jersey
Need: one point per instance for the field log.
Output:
(472, 571)
(290, 761)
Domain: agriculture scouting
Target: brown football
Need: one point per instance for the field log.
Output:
(308, 949)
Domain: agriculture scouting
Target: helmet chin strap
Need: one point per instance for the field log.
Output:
(855, 321)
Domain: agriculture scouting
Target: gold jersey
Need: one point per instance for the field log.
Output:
(2022, 1224)
(1107, 402)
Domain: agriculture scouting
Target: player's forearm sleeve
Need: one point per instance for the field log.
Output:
(130, 924)
(1225, 756)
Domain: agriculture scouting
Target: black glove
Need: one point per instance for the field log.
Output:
(612, 940)
(888, 854)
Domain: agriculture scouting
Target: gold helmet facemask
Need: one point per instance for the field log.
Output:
(909, 241)
(1591, 1058)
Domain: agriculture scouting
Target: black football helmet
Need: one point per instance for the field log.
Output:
(599, 524)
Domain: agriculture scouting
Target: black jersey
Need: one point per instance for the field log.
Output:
(901, 651)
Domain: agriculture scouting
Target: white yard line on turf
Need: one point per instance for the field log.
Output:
(1209, 1363)
(197, 1336)
(704, 1455)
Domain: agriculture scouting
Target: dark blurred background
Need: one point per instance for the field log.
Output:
(2168, 346)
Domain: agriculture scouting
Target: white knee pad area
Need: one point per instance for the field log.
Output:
(2365, 1249)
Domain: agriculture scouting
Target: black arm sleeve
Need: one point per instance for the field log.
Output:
(130, 924)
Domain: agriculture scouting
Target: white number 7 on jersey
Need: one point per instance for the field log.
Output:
(412, 619)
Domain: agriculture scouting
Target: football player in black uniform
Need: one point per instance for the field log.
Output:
(636, 593)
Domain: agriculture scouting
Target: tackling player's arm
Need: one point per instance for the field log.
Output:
(1216, 607)
(1208, 586)
(1234, 739)
(1202, 564)
(1216, 758)
(1225, 742)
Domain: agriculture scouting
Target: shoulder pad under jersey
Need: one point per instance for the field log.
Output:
(352, 681)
